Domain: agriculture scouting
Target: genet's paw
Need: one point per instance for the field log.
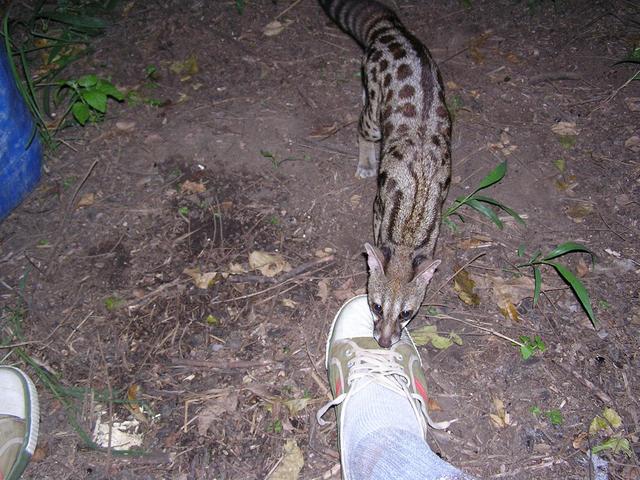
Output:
(365, 172)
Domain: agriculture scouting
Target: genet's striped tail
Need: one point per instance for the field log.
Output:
(359, 17)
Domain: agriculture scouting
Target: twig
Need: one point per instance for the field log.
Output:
(287, 9)
(56, 245)
(294, 272)
(471, 324)
(604, 398)
(551, 76)
(220, 365)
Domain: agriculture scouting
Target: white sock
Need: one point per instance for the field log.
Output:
(382, 440)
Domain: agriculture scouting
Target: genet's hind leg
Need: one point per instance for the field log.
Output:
(368, 138)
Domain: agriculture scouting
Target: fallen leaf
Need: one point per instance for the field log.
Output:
(633, 103)
(189, 187)
(582, 268)
(633, 143)
(216, 408)
(580, 441)
(463, 284)
(269, 264)
(616, 445)
(507, 293)
(501, 418)
(565, 129)
(578, 211)
(612, 417)
(273, 28)
(132, 404)
(125, 126)
(188, 67)
(597, 424)
(560, 164)
(87, 200)
(429, 334)
(480, 241)
(324, 131)
(287, 302)
(451, 85)
(291, 463)
(236, 269)
(203, 280)
(323, 290)
(296, 405)
(355, 200)
(432, 405)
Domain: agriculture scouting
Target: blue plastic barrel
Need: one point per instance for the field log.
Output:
(20, 151)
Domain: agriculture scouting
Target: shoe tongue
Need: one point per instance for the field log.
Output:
(369, 343)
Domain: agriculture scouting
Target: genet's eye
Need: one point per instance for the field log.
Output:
(406, 314)
(376, 307)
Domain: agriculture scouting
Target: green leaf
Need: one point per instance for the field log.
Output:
(80, 112)
(492, 201)
(616, 444)
(109, 89)
(535, 410)
(79, 21)
(96, 100)
(537, 277)
(578, 289)
(455, 338)
(567, 247)
(526, 351)
(494, 176)
(555, 417)
(440, 342)
(520, 251)
(87, 81)
(486, 211)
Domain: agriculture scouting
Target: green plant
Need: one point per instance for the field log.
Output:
(480, 203)
(538, 260)
(112, 303)
(89, 95)
(554, 415)
(40, 47)
(529, 346)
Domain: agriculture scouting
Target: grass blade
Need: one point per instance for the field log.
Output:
(567, 247)
(493, 201)
(486, 211)
(537, 284)
(577, 287)
(494, 176)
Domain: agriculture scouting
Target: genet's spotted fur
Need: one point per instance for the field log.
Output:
(404, 139)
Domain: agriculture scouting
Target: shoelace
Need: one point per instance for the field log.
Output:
(383, 368)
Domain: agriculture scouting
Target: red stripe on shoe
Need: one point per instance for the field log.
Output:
(422, 391)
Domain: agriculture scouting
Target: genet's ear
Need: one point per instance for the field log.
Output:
(375, 259)
(425, 271)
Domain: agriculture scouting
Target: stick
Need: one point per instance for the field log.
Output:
(604, 398)
(219, 365)
(294, 272)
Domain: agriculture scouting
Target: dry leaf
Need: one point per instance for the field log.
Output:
(582, 268)
(296, 405)
(432, 405)
(236, 268)
(291, 463)
(273, 28)
(132, 404)
(344, 291)
(125, 126)
(475, 242)
(87, 200)
(287, 302)
(323, 290)
(429, 334)
(565, 129)
(324, 253)
(633, 143)
(463, 284)
(269, 264)
(189, 187)
(578, 211)
(215, 408)
(580, 441)
(501, 418)
(324, 131)
(203, 280)
(187, 67)
(355, 200)
(633, 103)
(508, 293)
(451, 85)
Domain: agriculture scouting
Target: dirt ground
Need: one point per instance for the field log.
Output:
(255, 150)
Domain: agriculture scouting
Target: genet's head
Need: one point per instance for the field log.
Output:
(397, 284)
